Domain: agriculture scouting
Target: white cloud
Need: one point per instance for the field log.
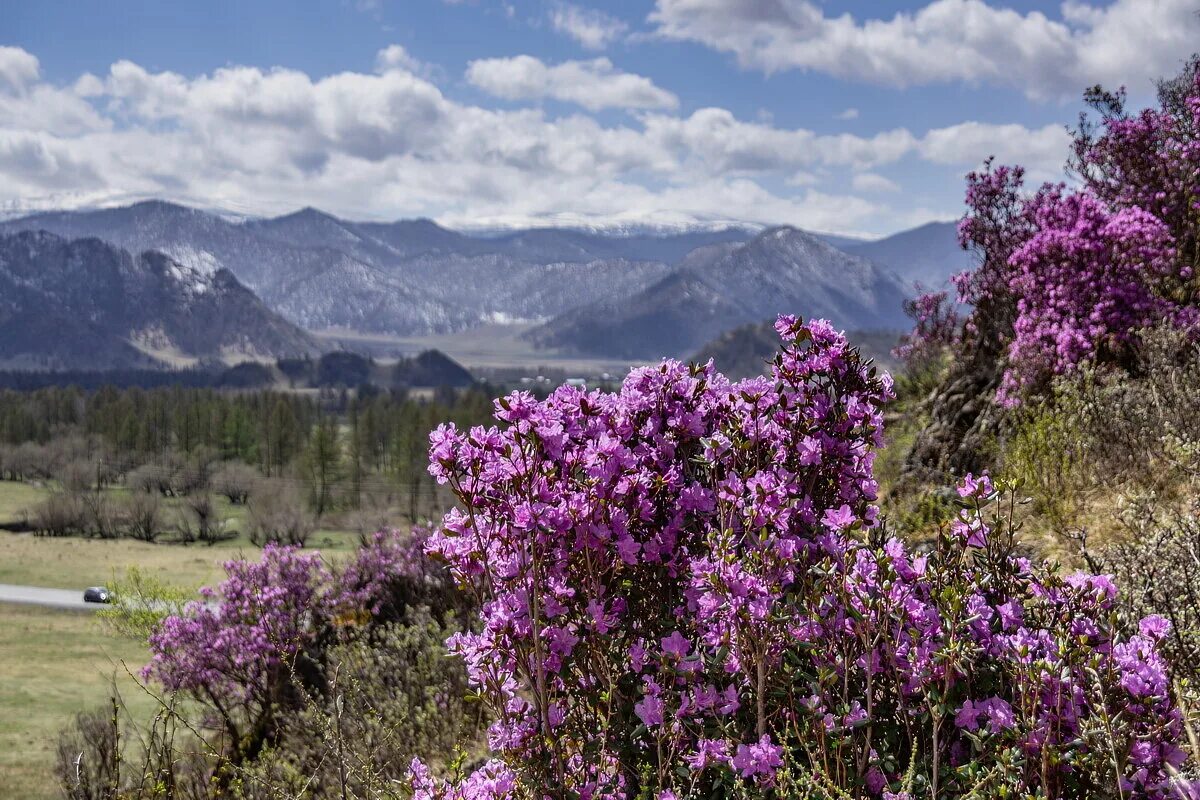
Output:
(394, 56)
(871, 183)
(594, 84)
(849, 113)
(1041, 151)
(1126, 41)
(390, 144)
(593, 29)
(721, 142)
(18, 68)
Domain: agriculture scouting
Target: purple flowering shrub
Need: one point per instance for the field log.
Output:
(935, 328)
(685, 592)
(1068, 276)
(255, 651)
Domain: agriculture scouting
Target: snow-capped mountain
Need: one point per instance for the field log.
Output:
(637, 292)
(87, 304)
(715, 289)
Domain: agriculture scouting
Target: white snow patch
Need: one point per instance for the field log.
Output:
(201, 261)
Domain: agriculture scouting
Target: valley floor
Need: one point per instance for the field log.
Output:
(492, 346)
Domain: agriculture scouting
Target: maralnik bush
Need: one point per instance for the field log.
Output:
(685, 593)
(1068, 276)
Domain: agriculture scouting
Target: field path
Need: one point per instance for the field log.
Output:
(48, 598)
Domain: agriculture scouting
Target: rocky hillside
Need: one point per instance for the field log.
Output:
(87, 304)
(720, 287)
(405, 277)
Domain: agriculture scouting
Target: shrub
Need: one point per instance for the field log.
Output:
(202, 520)
(392, 696)
(277, 513)
(685, 592)
(234, 480)
(77, 476)
(60, 514)
(1112, 431)
(305, 677)
(1070, 276)
(101, 516)
(143, 515)
(151, 478)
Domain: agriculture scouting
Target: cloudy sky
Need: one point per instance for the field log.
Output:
(854, 116)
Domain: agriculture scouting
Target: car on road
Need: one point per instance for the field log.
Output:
(97, 594)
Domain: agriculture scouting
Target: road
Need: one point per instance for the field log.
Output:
(48, 598)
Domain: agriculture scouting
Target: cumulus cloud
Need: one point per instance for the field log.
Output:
(390, 144)
(593, 29)
(594, 84)
(948, 40)
(1040, 150)
(394, 56)
(871, 183)
(17, 68)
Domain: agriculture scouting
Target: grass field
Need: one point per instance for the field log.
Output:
(54, 664)
(74, 563)
(16, 499)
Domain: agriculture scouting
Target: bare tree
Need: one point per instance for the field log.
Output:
(278, 513)
(234, 480)
(60, 514)
(143, 515)
(202, 520)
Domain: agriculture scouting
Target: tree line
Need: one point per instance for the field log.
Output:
(330, 450)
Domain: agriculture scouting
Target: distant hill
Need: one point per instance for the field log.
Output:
(928, 255)
(748, 350)
(431, 368)
(408, 277)
(638, 294)
(87, 304)
(720, 287)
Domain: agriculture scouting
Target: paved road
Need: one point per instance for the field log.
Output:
(49, 598)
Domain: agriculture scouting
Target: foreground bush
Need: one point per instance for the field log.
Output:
(290, 679)
(685, 593)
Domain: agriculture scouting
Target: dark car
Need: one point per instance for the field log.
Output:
(97, 594)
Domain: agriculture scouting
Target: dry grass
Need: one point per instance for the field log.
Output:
(16, 499)
(73, 563)
(54, 664)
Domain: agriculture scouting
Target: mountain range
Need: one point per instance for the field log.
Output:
(716, 288)
(85, 303)
(640, 295)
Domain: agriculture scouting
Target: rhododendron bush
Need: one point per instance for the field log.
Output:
(1072, 275)
(686, 592)
(276, 642)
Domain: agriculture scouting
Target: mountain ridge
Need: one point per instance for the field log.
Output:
(84, 302)
(782, 270)
(416, 277)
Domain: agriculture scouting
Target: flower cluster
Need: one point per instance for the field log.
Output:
(233, 641)
(242, 649)
(684, 587)
(1072, 276)
(935, 327)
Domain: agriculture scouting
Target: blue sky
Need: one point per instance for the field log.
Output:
(853, 117)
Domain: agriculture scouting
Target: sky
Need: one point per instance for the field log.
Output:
(858, 117)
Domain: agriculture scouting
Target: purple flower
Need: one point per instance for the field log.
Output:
(759, 760)
(676, 645)
(837, 519)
